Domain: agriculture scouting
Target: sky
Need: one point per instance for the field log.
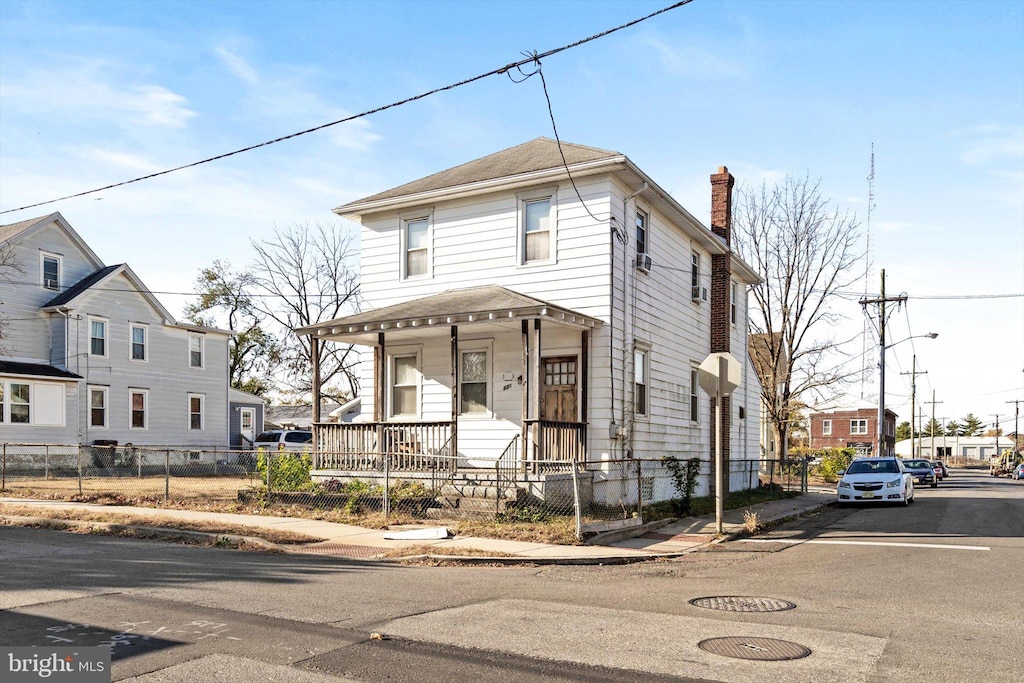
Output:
(94, 93)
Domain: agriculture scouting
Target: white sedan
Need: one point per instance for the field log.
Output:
(875, 480)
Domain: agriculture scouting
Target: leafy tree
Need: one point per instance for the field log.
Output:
(305, 276)
(805, 251)
(253, 353)
(933, 428)
(970, 425)
(952, 428)
(903, 431)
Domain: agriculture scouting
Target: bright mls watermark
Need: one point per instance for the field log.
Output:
(57, 664)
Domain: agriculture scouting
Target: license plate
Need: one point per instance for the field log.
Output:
(868, 495)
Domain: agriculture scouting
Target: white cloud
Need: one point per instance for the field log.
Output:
(121, 159)
(891, 226)
(237, 65)
(988, 143)
(695, 62)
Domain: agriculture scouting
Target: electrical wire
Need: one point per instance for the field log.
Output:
(533, 58)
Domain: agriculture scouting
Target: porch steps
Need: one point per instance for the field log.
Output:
(472, 495)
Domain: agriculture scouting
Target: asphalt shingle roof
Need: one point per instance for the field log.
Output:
(81, 286)
(35, 370)
(12, 230)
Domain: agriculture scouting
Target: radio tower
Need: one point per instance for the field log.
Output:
(867, 273)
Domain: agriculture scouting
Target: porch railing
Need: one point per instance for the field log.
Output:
(562, 441)
(408, 446)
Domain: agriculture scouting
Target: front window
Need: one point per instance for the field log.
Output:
(416, 247)
(138, 342)
(537, 230)
(195, 350)
(694, 396)
(51, 271)
(98, 337)
(858, 426)
(640, 382)
(641, 232)
(137, 400)
(473, 383)
(21, 403)
(826, 427)
(97, 407)
(405, 386)
(195, 412)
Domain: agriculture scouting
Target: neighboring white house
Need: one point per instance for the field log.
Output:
(971, 447)
(504, 317)
(89, 354)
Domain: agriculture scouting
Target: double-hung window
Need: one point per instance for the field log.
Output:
(733, 294)
(97, 337)
(858, 426)
(473, 393)
(640, 378)
(195, 350)
(826, 427)
(694, 396)
(536, 228)
(98, 407)
(416, 238)
(641, 233)
(138, 401)
(405, 386)
(138, 343)
(20, 403)
(51, 271)
(195, 411)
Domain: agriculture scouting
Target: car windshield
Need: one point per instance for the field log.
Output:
(873, 467)
(916, 464)
(298, 437)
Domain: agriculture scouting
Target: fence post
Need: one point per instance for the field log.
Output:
(79, 469)
(387, 486)
(576, 504)
(639, 490)
(138, 460)
(215, 460)
(803, 483)
(167, 475)
(46, 462)
(270, 461)
(3, 482)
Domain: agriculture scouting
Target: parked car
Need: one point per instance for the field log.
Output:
(883, 480)
(945, 470)
(285, 440)
(1018, 472)
(922, 471)
(938, 469)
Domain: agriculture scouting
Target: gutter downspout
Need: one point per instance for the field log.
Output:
(627, 348)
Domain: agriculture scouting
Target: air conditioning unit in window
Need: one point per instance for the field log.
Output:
(50, 284)
(643, 262)
(699, 294)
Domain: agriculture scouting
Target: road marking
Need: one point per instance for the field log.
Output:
(795, 541)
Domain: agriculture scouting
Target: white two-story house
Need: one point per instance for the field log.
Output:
(522, 309)
(90, 355)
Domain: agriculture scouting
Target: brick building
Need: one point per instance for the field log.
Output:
(857, 428)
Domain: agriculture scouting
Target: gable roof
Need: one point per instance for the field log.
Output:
(536, 155)
(24, 229)
(82, 288)
(8, 367)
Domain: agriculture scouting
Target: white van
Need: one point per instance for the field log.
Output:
(300, 440)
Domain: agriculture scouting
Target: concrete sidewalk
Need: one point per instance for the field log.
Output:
(344, 540)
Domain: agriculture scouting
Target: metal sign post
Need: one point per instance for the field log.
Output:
(719, 375)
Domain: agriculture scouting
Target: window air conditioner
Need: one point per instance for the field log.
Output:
(643, 262)
(695, 293)
(704, 294)
(50, 284)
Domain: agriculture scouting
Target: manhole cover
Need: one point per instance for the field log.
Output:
(762, 649)
(742, 603)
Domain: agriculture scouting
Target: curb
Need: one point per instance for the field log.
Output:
(631, 532)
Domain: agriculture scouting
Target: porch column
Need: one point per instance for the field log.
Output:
(314, 355)
(584, 375)
(455, 393)
(535, 381)
(379, 389)
(524, 435)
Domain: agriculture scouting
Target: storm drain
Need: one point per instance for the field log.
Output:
(342, 550)
(760, 649)
(742, 603)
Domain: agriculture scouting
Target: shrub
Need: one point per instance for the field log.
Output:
(833, 460)
(684, 478)
(288, 471)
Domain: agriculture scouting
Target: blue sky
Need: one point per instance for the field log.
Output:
(94, 93)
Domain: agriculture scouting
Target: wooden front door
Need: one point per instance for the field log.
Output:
(558, 393)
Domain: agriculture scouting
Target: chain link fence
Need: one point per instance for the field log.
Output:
(584, 498)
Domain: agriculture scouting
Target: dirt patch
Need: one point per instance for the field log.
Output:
(153, 488)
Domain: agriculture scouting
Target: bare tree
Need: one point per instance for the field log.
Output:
(253, 353)
(805, 251)
(10, 266)
(307, 272)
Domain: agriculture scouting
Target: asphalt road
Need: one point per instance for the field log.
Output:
(925, 593)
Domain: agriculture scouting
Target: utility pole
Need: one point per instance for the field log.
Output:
(997, 416)
(1016, 415)
(913, 392)
(932, 428)
(881, 301)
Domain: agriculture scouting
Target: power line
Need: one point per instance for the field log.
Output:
(532, 58)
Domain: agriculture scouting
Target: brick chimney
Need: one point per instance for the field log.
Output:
(721, 292)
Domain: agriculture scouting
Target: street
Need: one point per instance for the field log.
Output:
(928, 593)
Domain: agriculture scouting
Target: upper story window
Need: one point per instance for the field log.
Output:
(416, 241)
(826, 427)
(640, 382)
(473, 383)
(734, 293)
(858, 426)
(641, 232)
(51, 271)
(138, 350)
(196, 343)
(97, 337)
(537, 222)
(694, 396)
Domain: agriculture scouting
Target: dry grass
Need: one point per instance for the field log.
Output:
(411, 550)
(559, 531)
(751, 522)
(272, 535)
(145, 488)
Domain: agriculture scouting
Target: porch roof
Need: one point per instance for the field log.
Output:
(470, 306)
